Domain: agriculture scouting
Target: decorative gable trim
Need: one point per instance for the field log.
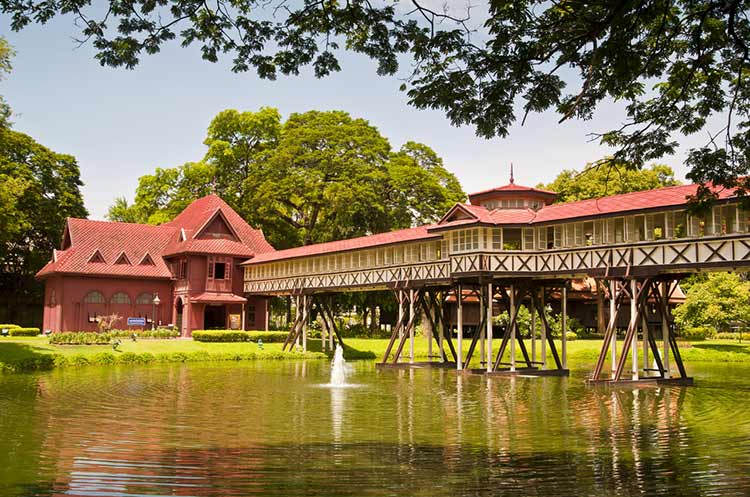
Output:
(146, 260)
(96, 257)
(183, 236)
(218, 213)
(123, 259)
(458, 212)
(67, 239)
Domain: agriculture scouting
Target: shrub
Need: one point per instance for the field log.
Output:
(159, 333)
(697, 333)
(79, 338)
(24, 332)
(571, 335)
(239, 336)
(732, 335)
(8, 326)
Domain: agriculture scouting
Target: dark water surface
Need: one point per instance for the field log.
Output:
(259, 429)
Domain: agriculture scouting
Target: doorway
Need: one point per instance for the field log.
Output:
(215, 317)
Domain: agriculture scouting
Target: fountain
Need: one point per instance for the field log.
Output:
(338, 369)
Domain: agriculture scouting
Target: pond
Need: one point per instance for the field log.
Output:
(271, 428)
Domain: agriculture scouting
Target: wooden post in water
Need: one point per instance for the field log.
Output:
(533, 327)
(564, 322)
(613, 324)
(634, 324)
(460, 326)
(305, 309)
(482, 332)
(512, 324)
(665, 327)
(544, 330)
(489, 327)
(411, 328)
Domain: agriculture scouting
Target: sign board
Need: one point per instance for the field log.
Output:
(234, 321)
(136, 321)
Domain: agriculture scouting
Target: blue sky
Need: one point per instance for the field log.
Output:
(121, 124)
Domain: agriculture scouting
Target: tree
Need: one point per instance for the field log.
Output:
(597, 181)
(39, 189)
(6, 54)
(674, 64)
(318, 176)
(717, 301)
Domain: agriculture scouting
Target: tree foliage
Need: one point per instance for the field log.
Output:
(39, 189)
(6, 55)
(674, 65)
(596, 181)
(316, 177)
(717, 301)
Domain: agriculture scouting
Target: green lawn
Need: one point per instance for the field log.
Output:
(23, 354)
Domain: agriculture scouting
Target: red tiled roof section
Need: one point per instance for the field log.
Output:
(364, 242)
(622, 203)
(512, 187)
(196, 215)
(112, 239)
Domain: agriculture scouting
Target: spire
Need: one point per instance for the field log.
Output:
(511, 173)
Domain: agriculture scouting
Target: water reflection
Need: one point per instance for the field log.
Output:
(264, 429)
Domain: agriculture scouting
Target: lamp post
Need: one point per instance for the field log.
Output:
(154, 304)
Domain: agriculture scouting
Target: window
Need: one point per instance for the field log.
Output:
(528, 238)
(94, 298)
(541, 235)
(217, 270)
(120, 298)
(144, 298)
(588, 234)
(558, 238)
(497, 238)
(679, 225)
(512, 238)
(640, 228)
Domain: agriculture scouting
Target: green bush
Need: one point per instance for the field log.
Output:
(24, 332)
(697, 333)
(571, 335)
(8, 326)
(105, 338)
(239, 336)
(732, 335)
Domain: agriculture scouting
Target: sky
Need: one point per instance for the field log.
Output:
(121, 124)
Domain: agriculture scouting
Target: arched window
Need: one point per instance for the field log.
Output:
(94, 298)
(144, 298)
(120, 298)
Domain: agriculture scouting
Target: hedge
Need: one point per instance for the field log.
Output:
(105, 338)
(239, 336)
(697, 333)
(51, 361)
(24, 332)
(8, 326)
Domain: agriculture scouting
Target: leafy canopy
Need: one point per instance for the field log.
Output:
(596, 181)
(318, 176)
(718, 301)
(677, 66)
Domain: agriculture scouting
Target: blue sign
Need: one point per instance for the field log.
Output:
(136, 321)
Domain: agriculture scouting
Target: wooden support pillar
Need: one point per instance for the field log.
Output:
(440, 326)
(544, 328)
(634, 324)
(243, 317)
(665, 327)
(533, 327)
(645, 338)
(483, 329)
(564, 322)
(488, 357)
(305, 316)
(460, 326)
(512, 324)
(331, 330)
(411, 328)
(323, 332)
(613, 324)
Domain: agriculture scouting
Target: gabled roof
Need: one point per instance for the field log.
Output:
(363, 242)
(110, 240)
(119, 244)
(513, 188)
(198, 215)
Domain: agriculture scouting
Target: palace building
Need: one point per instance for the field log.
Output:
(185, 272)
(507, 247)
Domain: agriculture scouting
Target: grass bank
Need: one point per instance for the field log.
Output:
(32, 354)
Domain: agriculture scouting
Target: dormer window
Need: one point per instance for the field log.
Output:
(218, 270)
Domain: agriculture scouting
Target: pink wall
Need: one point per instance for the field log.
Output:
(65, 309)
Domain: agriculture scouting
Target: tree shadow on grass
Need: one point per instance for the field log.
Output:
(723, 347)
(16, 356)
(350, 353)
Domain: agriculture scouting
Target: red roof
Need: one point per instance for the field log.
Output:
(364, 242)
(84, 238)
(513, 188)
(218, 298)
